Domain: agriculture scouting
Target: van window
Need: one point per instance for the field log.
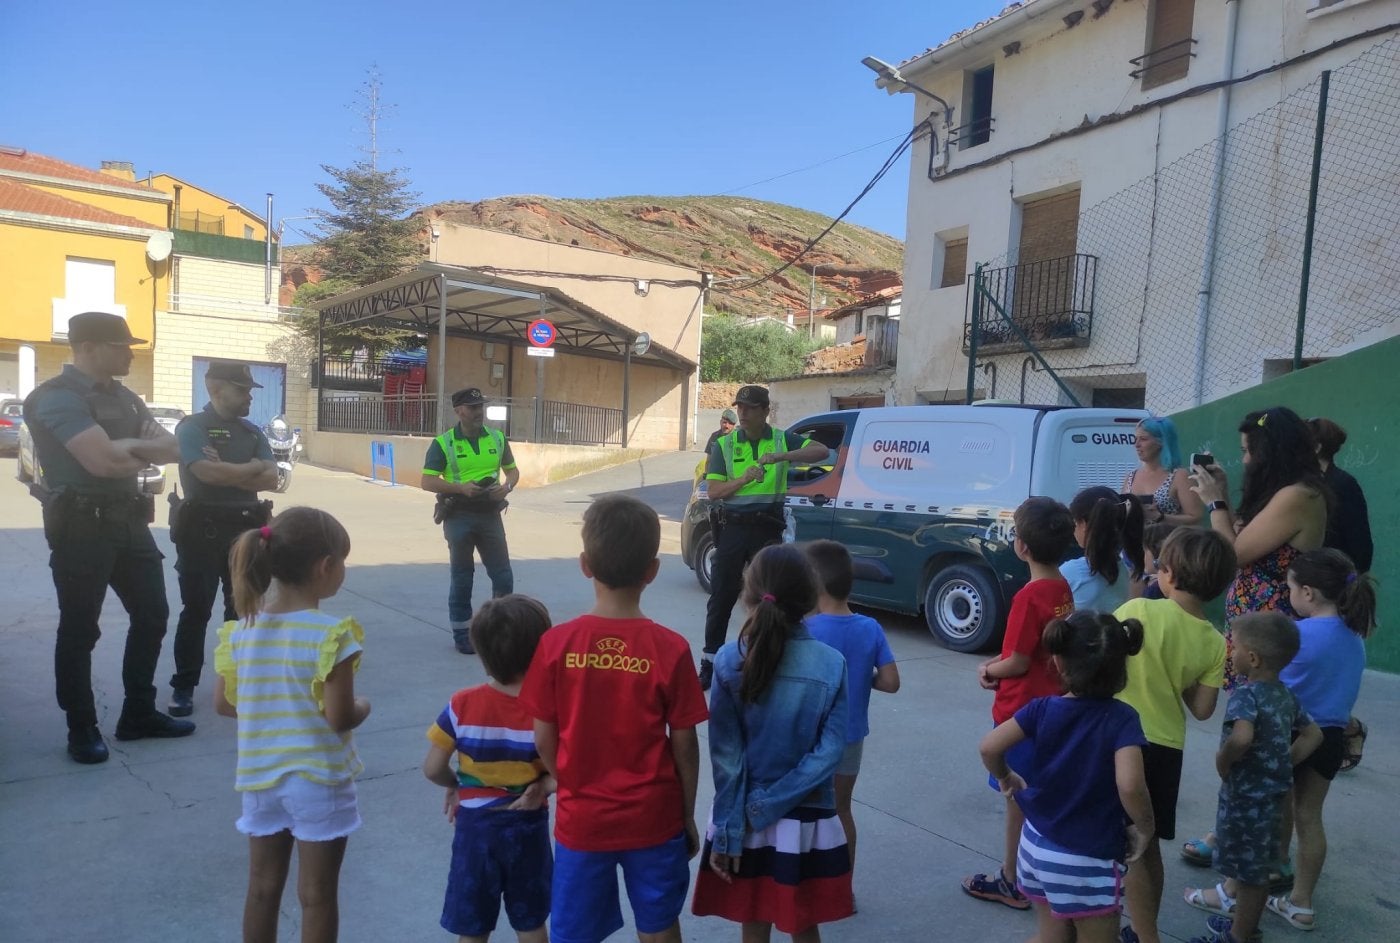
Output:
(829, 434)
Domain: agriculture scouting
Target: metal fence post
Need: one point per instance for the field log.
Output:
(974, 329)
(1318, 134)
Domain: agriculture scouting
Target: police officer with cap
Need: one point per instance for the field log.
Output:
(464, 467)
(92, 437)
(225, 460)
(747, 474)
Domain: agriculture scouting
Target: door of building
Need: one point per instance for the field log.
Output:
(269, 401)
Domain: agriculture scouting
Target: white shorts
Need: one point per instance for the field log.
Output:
(310, 811)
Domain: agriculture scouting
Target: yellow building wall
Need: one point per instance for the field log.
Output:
(32, 273)
(193, 199)
(49, 359)
(156, 211)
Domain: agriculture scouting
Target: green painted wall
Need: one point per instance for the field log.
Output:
(1361, 391)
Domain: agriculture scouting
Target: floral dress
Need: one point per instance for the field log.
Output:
(1260, 587)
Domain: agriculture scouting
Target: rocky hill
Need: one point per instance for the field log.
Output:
(730, 237)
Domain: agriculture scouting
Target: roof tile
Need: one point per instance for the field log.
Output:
(28, 162)
(18, 198)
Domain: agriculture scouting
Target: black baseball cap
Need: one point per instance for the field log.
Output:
(233, 371)
(99, 327)
(471, 396)
(751, 396)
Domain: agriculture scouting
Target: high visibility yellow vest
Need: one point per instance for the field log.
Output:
(465, 463)
(738, 456)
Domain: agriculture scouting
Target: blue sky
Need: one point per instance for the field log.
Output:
(566, 99)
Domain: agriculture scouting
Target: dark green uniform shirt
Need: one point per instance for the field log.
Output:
(236, 440)
(61, 408)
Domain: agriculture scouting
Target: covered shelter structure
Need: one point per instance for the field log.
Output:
(554, 369)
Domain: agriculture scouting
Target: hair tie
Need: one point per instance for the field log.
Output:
(265, 533)
(1260, 422)
(769, 597)
(1351, 577)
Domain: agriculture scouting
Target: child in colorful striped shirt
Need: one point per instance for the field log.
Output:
(498, 794)
(287, 672)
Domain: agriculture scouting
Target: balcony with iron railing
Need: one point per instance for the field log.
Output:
(1166, 63)
(1049, 303)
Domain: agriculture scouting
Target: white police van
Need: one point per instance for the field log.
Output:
(923, 498)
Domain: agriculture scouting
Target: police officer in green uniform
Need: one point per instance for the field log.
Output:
(747, 474)
(225, 461)
(464, 467)
(92, 436)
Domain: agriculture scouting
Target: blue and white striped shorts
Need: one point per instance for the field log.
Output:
(1075, 886)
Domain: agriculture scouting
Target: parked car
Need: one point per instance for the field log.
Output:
(150, 479)
(11, 418)
(923, 497)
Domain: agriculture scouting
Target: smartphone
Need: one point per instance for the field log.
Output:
(1203, 459)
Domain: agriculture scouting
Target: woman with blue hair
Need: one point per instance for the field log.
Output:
(1160, 481)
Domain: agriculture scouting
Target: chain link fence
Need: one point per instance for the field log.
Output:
(1155, 321)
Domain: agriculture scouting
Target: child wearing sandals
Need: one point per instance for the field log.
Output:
(1181, 666)
(1089, 785)
(1339, 610)
(1024, 672)
(1266, 733)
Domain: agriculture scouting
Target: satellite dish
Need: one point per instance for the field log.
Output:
(159, 246)
(641, 345)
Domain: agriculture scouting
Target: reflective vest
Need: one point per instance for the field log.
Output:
(465, 463)
(738, 456)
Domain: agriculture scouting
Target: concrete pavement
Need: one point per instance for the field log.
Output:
(144, 848)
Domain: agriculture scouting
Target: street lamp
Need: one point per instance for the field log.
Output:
(811, 298)
(894, 82)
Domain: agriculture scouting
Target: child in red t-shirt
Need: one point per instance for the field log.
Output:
(1023, 671)
(616, 702)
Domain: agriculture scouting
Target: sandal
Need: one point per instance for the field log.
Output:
(997, 889)
(1225, 906)
(1198, 851)
(1301, 918)
(1281, 877)
(1352, 745)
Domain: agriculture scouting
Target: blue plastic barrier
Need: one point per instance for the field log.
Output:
(381, 455)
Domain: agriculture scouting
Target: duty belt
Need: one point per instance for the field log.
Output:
(116, 506)
(742, 515)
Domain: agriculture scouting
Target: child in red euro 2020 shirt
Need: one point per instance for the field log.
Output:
(616, 702)
(1023, 671)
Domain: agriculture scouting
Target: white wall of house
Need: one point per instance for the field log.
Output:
(1060, 78)
(804, 396)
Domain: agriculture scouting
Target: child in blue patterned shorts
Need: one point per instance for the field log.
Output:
(1255, 762)
(1089, 781)
(498, 795)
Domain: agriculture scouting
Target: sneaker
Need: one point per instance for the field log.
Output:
(1223, 928)
(996, 889)
(157, 725)
(707, 673)
(86, 745)
(464, 644)
(1128, 935)
(182, 702)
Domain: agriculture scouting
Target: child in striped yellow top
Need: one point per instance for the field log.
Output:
(286, 670)
(498, 795)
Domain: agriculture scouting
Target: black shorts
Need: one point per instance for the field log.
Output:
(1162, 766)
(1326, 760)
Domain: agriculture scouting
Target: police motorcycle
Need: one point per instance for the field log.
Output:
(286, 449)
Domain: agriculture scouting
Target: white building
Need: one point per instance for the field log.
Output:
(1080, 166)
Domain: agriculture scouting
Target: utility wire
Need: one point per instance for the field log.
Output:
(799, 170)
(905, 143)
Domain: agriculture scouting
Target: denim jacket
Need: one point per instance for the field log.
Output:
(781, 752)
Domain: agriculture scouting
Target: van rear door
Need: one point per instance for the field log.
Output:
(1078, 448)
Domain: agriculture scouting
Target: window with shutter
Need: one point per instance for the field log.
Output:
(1045, 279)
(954, 262)
(1169, 48)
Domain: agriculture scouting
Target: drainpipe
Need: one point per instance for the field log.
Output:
(267, 290)
(1217, 180)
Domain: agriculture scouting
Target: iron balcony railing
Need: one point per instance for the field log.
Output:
(1165, 63)
(973, 133)
(526, 419)
(1050, 302)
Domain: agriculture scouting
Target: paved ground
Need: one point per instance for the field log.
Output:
(144, 849)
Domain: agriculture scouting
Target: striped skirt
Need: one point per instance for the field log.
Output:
(794, 874)
(1075, 886)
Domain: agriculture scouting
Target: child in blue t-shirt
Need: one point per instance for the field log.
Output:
(869, 663)
(1108, 528)
(1088, 813)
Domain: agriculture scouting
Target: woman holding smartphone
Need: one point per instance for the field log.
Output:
(1160, 481)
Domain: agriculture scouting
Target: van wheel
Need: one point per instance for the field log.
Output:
(963, 608)
(704, 559)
